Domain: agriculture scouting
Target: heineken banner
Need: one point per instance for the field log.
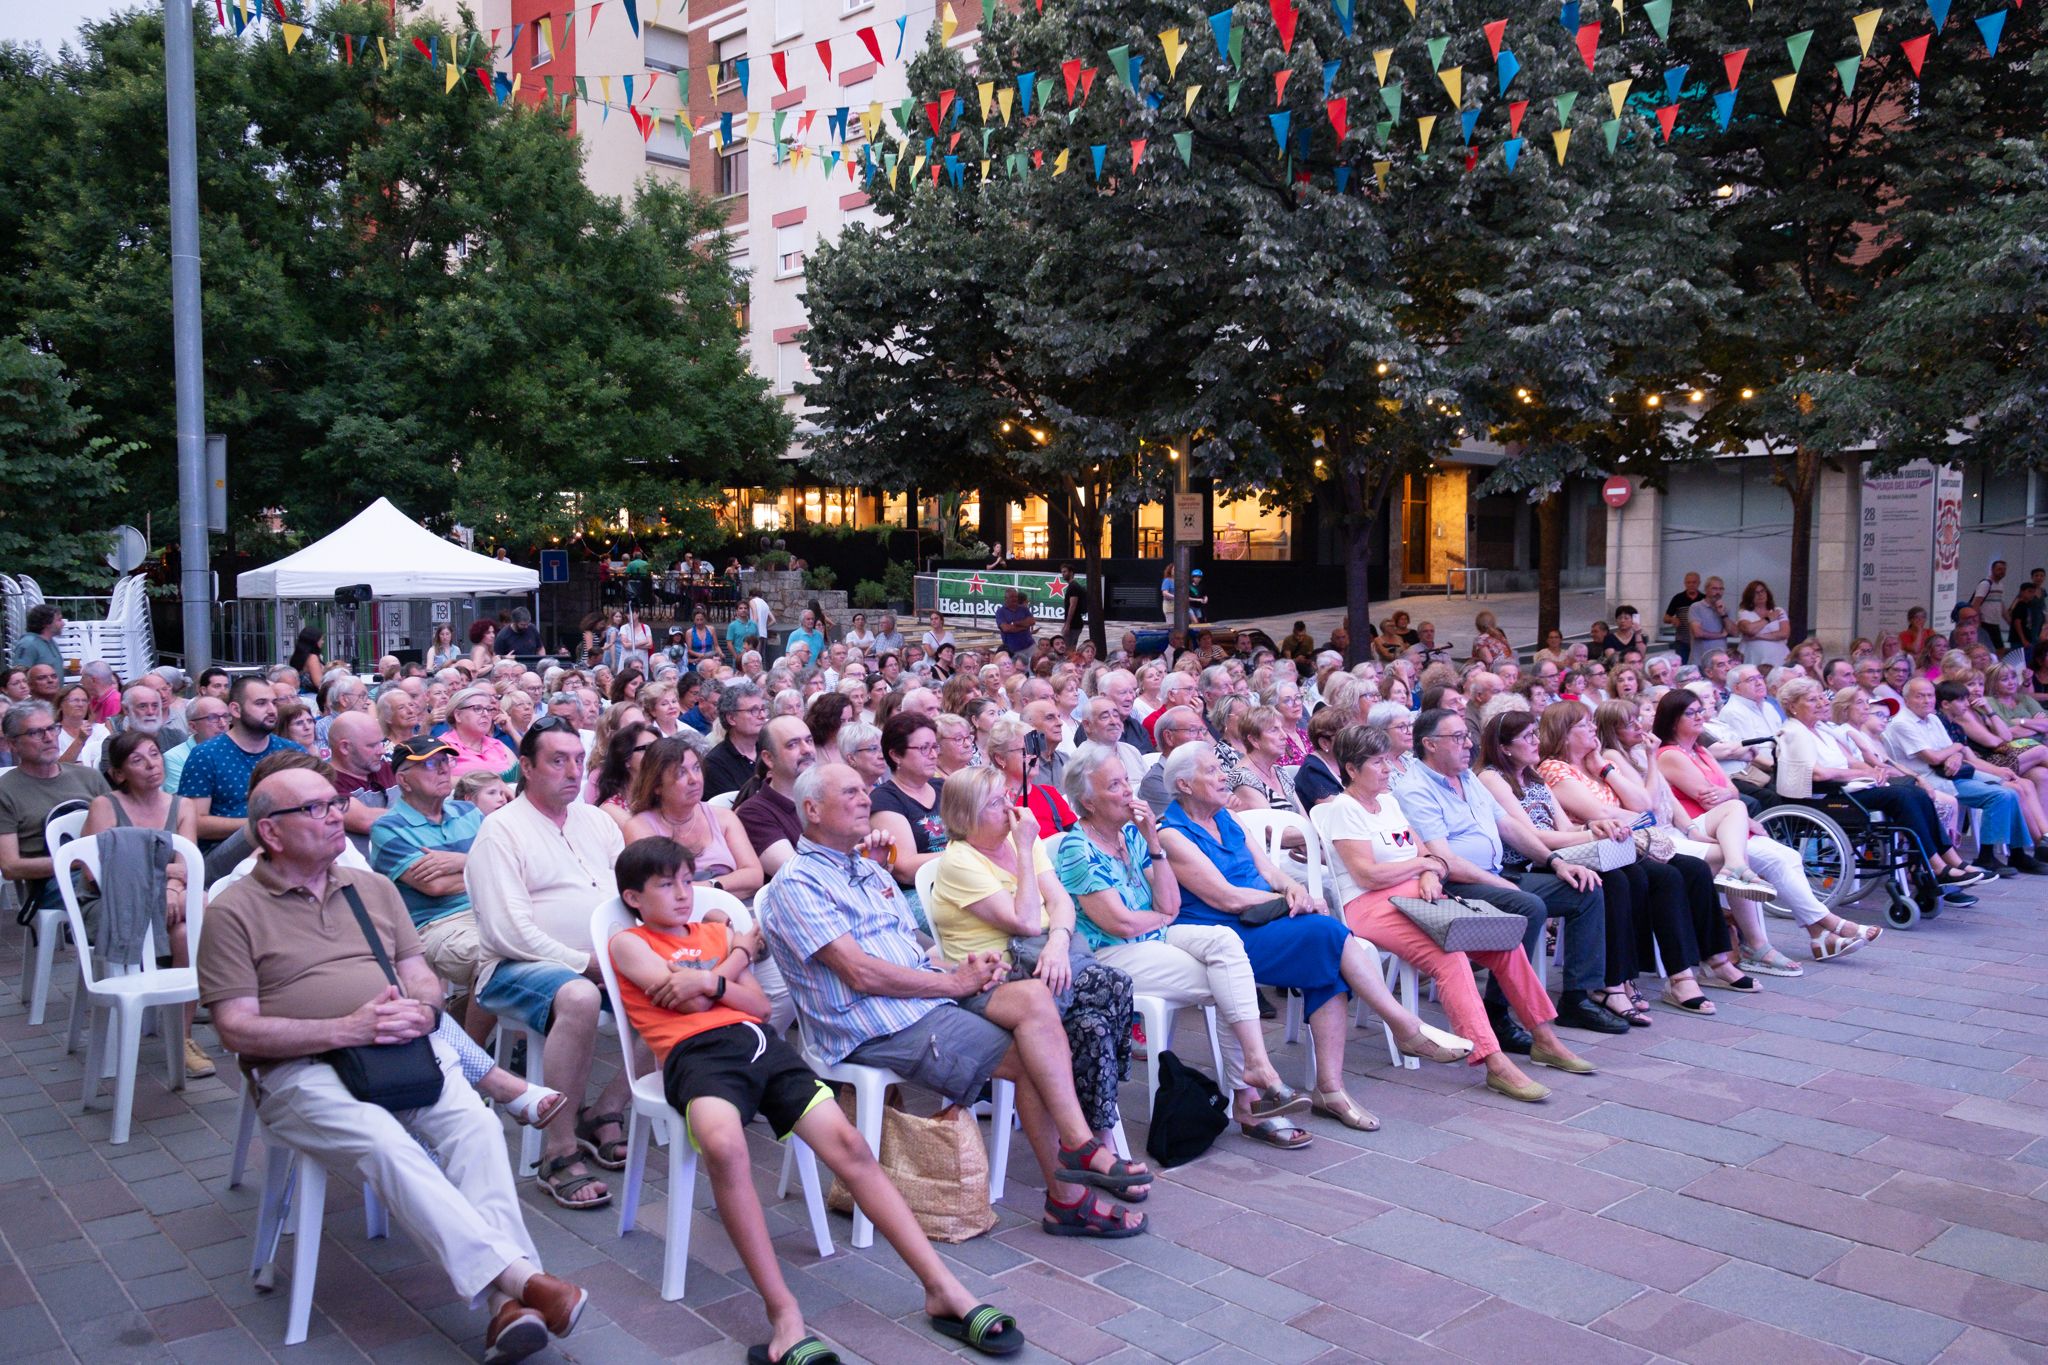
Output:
(968, 594)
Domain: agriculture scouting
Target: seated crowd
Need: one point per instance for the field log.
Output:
(967, 868)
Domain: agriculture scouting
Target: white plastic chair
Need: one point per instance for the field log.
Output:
(39, 944)
(127, 992)
(723, 801)
(509, 1032)
(652, 1112)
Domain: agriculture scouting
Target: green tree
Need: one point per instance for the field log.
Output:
(409, 292)
(62, 485)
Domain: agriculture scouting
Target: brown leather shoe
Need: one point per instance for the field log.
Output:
(515, 1333)
(557, 1301)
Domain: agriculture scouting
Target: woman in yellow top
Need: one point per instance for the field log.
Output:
(980, 904)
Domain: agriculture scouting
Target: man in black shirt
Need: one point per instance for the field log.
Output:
(1079, 602)
(743, 712)
(520, 638)
(1677, 614)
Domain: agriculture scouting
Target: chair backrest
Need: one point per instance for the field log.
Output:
(64, 824)
(613, 916)
(85, 853)
(724, 800)
(927, 877)
(1266, 829)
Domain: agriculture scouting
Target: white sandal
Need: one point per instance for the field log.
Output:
(537, 1107)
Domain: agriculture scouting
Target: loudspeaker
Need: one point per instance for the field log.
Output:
(353, 595)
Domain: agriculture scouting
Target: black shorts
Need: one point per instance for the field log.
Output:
(748, 1069)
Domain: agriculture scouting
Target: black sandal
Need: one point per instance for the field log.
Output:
(1117, 1180)
(986, 1328)
(1630, 1009)
(562, 1189)
(1089, 1219)
(809, 1351)
(610, 1155)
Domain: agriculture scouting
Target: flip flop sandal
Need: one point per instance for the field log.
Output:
(564, 1190)
(987, 1329)
(1347, 1112)
(1279, 1100)
(1088, 1219)
(1699, 1004)
(1276, 1132)
(610, 1155)
(1117, 1180)
(809, 1351)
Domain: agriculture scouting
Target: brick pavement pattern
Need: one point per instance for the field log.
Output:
(1851, 1166)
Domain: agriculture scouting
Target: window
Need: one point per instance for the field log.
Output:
(789, 19)
(1246, 530)
(789, 366)
(667, 50)
(855, 6)
(789, 250)
(857, 98)
(543, 50)
(667, 146)
(732, 171)
(730, 47)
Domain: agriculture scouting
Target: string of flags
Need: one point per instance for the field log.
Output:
(1035, 92)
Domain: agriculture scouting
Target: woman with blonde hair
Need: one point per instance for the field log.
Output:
(1486, 626)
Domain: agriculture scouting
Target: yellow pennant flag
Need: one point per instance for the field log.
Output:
(712, 71)
(292, 34)
(894, 167)
(1411, 7)
(1623, 13)
(1783, 85)
(1380, 57)
(450, 74)
(917, 168)
(1059, 163)
(1866, 27)
(753, 122)
(871, 121)
(1380, 169)
(384, 53)
(1188, 105)
(984, 170)
(1006, 100)
(949, 24)
(987, 91)
(1170, 40)
(1426, 125)
(1617, 95)
(1561, 139)
(1453, 78)
(516, 78)
(604, 84)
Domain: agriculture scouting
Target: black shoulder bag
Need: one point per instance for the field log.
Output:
(394, 1076)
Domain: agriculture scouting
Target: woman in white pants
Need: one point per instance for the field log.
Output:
(1112, 865)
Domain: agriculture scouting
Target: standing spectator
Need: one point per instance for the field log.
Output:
(36, 785)
(1015, 624)
(1678, 616)
(216, 777)
(38, 642)
(1763, 629)
(306, 659)
(742, 714)
(2026, 618)
(936, 637)
(1627, 635)
(535, 871)
(442, 652)
(1709, 618)
(422, 843)
(1988, 597)
(889, 640)
(1078, 601)
(808, 632)
(286, 988)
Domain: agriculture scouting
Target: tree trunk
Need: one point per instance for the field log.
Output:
(1801, 480)
(1364, 493)
(1089, 522)
(1550, 520)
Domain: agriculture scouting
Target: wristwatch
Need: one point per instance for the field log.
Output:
(719, 994)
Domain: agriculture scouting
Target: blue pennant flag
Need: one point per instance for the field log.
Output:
(1027, 86)
(1939, 10)
(835, 123)
(632, 15)
(1280, 121)
(1097, 151)
(959, 108)
(1471, 120)
(902, 26)
(740, 67)
(1674, 80)
(1137, 62)
(1991, 26)
(1343, 8)
(953, 170)
(1343, 179)
(1512, 150)
(724, 128)
(1154, 100)
(1219, 23)
(1509, 65)
(1329, 77)
(629, 90)
(1724, 108)
(514, 48)
(1568, 16)
(501, 86)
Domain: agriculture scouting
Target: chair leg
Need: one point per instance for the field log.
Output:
(1291, 1030)
(814, 1194)
(636, 1170)
(788, 1168)
(129, 1021)
(682, 1186)
(1215, 1043)
(867, 1105)
(271, 1208)
(168, 1020)
(46, 963)
(308, 1216)
(245, 1132)
(1120, 1144)
(999, 1139)
(80, 1003)
(376, 1218)
(96, 1029)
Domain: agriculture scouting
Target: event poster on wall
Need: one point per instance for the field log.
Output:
(1909, 547)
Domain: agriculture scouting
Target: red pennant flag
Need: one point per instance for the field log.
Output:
(1284, 17)
(1916, 52)
(1667, 119)
(1087, 83)
(935, 173)
(1338, 110)
(953, 142)
(1471, 159)
(593, 18)
(348, 47)
(1515, 112)
(425, 51)
(1071, 69)
(1589, 42)
(931, 114)
(780, 62)
(282, 17)
(1280, 79)
(483, 78)
(1038, 160)
(1137, 152)
(1733, 62)
(1495, 31)
(874, 47)
(946, 102)
(647, 91)
(220, 14)
(825, 56)
(803, 125)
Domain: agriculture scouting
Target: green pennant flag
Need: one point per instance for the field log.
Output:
(1120, 58)
(582, 90)
(1231, 102)
(905, 112)
(1237, 47)
(988, 15)
(1565, 104)
(1796, 45)
(1846, 69)
(984, 142)
(780, 115)
(1436, 51)
(1658, 12)
(1391, 96)
(1383, 130)
(682, 79)
(1185, 144)
(549, 82)
(1612, 129)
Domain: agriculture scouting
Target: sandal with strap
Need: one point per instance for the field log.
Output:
(1698, 1004)
(1278, 1099)
(809, 1351)
(1088, 1218)
(1831, 945)
(564, 1189)
(1622, 1003)
(1277, 1133)
(1338, 1105)
(986, 1328)
(1074, 1168)
(536, 1106)
(610, 1155)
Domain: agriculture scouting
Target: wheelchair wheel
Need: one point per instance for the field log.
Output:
(1903, 911)
(1824, 848)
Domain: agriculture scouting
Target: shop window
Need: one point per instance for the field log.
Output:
(1152, 530)
(1030, 533)
(1244, 529)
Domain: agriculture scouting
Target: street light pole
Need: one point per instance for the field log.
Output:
(195, 581)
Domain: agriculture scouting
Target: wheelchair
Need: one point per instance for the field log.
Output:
(1849, 850)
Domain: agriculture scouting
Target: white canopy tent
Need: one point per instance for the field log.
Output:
(395, 555)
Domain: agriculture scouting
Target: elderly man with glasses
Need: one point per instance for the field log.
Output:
(36, 785)
(205, 716)
(422, 843)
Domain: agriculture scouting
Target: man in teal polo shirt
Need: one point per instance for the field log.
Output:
(423, 845)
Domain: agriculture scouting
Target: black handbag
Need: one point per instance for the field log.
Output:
(394, 1076)
(1188, 1113)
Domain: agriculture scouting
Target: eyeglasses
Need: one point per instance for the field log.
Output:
(318, 810)
(1692, 713)
(477, 706)
(37, 732)
(433, 765)
(1457, 737)
(921, 748)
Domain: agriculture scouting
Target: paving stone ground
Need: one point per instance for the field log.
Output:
(1852, 1166)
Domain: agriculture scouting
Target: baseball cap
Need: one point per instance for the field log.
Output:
(419, 749)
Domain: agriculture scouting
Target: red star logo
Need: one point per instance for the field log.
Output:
(975, 584)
